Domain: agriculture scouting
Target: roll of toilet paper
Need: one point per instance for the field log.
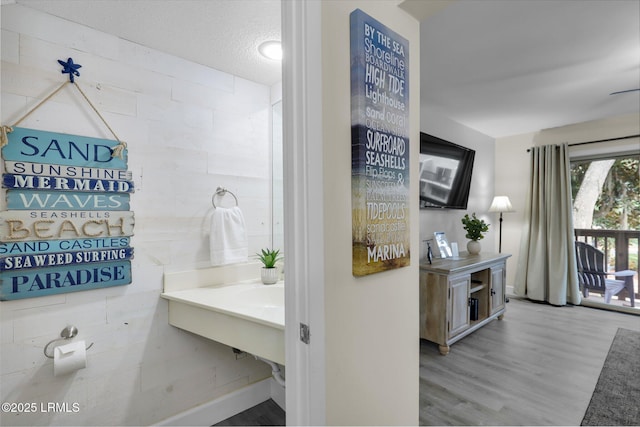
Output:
(69, 358)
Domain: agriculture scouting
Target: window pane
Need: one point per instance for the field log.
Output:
(606, 193)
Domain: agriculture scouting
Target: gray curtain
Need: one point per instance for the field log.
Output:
(547, 262)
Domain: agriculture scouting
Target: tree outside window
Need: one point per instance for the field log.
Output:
(606, 193)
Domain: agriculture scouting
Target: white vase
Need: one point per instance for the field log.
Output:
(269, 276)
(473, 247)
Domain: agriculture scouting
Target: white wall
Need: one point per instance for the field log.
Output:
(189, 130)
(502, 168)
(480, 194)
(513, 166)
(371, 322)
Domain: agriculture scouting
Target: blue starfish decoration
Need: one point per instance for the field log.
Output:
(70, 68)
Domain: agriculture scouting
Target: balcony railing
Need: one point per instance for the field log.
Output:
(621, 248)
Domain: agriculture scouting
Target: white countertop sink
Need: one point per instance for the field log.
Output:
(246, 315)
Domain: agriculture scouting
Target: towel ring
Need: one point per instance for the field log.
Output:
(222, 192)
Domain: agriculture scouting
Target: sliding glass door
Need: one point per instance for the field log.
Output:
(606, 214)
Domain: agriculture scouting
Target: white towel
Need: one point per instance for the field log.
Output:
(228, 242)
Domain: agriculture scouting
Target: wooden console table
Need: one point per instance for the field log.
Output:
(451, 286)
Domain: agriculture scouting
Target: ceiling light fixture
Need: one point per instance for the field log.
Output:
(271, 50)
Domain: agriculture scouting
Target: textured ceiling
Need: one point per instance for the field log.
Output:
(502, 67)
(510, 67)
(221, 34)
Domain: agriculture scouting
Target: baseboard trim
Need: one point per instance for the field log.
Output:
(278, 394)
(224, 407)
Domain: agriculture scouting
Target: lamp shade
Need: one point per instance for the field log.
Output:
(501, 204)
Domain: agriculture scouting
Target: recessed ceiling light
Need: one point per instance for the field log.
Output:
(271, 50)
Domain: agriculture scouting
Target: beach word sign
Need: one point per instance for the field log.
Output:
(380, 190)
(68, 221)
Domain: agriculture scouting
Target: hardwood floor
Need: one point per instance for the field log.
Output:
(268, 413)
(537, 366)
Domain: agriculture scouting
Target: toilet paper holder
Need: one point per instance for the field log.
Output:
(66, 334)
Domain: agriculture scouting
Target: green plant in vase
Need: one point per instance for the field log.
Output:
(475, 227)
(269, 258)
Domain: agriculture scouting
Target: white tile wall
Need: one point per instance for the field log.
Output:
(189, 129)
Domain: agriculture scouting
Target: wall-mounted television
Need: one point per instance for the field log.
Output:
(445, 173)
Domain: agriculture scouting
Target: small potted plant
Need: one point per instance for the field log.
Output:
(474, 228)
(269, 258)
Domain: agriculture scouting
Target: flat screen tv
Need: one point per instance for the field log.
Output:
(445, 173)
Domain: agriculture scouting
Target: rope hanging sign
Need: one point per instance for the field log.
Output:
(71, 68)
(68, 225)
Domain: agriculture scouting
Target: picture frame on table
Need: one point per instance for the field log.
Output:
(443, 244)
